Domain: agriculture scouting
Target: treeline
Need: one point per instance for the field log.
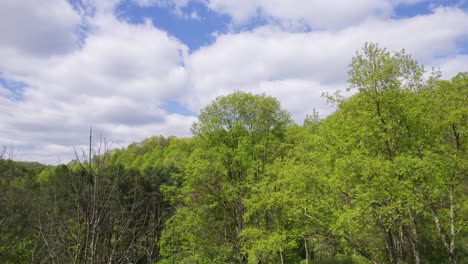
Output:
(381, 180)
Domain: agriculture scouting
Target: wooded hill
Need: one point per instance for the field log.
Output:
(381, 180)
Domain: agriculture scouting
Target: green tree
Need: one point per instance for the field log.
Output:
(18, 192)
(236, 137)
(394, 158)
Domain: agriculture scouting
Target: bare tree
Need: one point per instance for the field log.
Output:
(108, 219)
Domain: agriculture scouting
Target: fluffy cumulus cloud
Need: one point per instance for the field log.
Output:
(299, 67)
(318, 14)
(39, 28)
(117, 80)
(56, 79)
(453, 65)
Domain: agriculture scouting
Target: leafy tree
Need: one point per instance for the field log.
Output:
(389, 158)
(17, 191)
(236, 137)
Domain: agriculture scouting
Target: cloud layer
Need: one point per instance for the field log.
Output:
(119, 76)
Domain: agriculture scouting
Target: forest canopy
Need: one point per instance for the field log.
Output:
(381, 180)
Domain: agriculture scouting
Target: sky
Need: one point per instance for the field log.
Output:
(132, 69)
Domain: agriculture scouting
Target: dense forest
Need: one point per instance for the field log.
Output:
(381, 180)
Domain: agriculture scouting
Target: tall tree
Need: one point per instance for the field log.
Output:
(393, 155)
(236, 137)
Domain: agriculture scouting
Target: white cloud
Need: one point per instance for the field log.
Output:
(175, 6)
(317, 13)
(298, 67)
(38, 27)
(452, 65)
(118, 59)
(117, 81)
(164, 3)
(293, 14)
(423, 36)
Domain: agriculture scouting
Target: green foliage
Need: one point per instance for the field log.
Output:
(381, 180)
(17, 204)
(396, 156)
(236, 137)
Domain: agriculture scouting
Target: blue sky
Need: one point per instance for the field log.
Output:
(192, 31)
(137, 68)
(201, 30)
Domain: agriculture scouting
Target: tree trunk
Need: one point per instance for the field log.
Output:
(306, 250)
(391, 248)
(442, 235)
(451, 249)
(414, 240)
